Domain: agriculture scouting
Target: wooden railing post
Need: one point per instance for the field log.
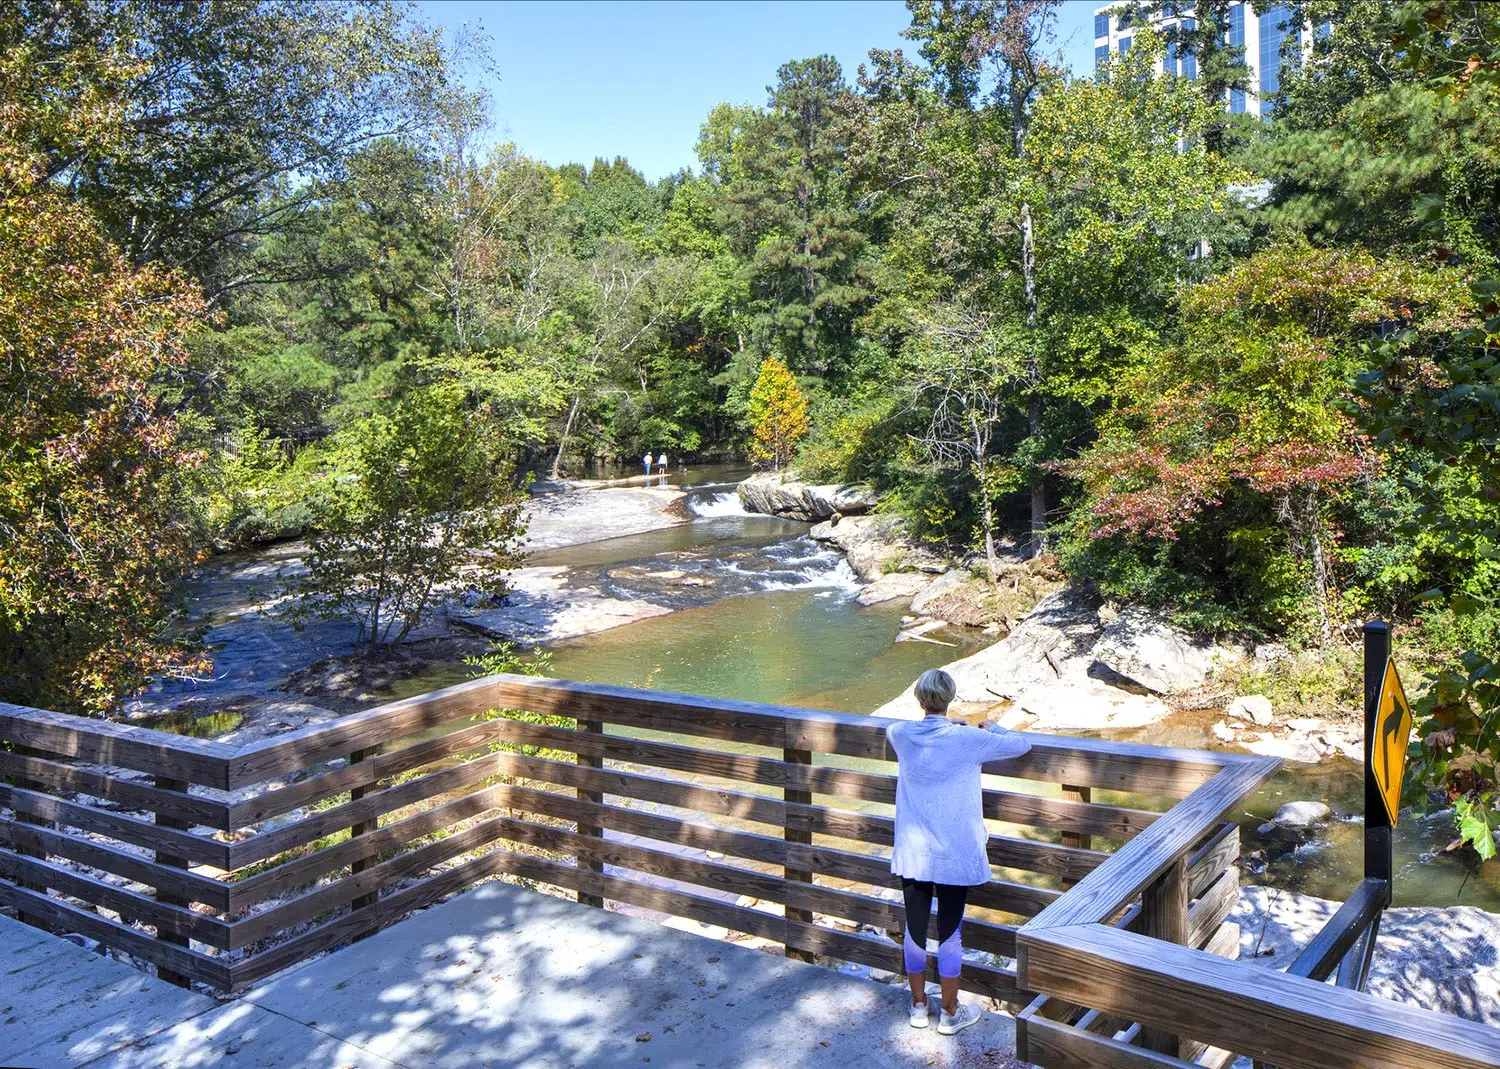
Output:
(1076, 838)
(593, 727)
(362, 828)
(1164, 916)
(167, 820)
(793, 832)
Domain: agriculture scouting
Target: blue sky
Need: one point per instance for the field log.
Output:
(575, 80)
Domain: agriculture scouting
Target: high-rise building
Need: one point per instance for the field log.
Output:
(1260, 33)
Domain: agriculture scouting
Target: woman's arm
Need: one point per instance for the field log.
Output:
(994, 743)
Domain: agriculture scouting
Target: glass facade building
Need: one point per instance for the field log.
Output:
(1276, 24)
(1269, 39)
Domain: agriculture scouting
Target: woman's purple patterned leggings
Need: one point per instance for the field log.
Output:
(950, 915)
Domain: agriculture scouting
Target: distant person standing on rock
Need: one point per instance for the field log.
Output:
(940, 836)
(661, 465)
(646, 460)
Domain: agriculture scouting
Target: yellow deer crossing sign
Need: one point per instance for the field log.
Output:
(1387, 756)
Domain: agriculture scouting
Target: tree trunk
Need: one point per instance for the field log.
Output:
(1312, 523)
(1034, 373)
(567, 430)
(1039, 541)
(990, 559)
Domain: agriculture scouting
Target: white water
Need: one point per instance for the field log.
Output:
(717, 505)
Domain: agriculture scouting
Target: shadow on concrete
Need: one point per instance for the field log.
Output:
(504, 976)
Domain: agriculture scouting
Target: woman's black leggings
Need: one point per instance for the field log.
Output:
(950, 915)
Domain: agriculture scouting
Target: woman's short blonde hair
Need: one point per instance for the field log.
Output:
(935, 690)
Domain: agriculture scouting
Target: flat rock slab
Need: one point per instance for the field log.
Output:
(578, 516)
(62, 1005)
(503, 976)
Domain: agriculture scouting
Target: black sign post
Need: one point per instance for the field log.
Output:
(1379, 841)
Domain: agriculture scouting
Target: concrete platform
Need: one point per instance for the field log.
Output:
(62, 1005)
(502, 976)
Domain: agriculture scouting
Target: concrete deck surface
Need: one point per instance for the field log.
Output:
(497, 977)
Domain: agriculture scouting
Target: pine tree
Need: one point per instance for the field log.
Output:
(778, 414)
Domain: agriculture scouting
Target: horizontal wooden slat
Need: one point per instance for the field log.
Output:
(1219, 852)
(1061, 1046)
(127, 903)
(139, 796)
(1068, 862)
(331, 896)
(300, 871)
(364, 773)
(159, 752)
(1286, 1020)
(117, 826)
(377, 803)
(1118, 881)
(44, 841)
(1062, 814)
(71, 919)
(742, 722)
(1207, 913)
(752, 807)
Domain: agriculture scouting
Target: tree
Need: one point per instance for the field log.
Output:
(964, 368)
(1447, 405)
(96, 515)
(789, 210)
(235, 111)
(778, 414)
(426, 503)
(1372, 149)
(1248, 416)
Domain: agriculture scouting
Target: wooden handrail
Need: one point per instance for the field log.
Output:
(1321, 956)
(321, 825)
(1290, 1021)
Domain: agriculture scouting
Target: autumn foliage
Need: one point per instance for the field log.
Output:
(778, 414)
(91, 465)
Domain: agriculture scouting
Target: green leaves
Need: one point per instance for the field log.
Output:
(1476, 823)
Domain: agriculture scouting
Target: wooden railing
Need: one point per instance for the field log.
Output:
(224, 865)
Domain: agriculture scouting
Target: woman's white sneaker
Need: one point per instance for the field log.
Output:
(919, 1015)
(967, 1014)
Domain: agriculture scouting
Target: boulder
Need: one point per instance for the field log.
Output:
(1253, 707)
(773, 495)
(1083, 704)
(893, 586)
(1446, 960)
(1298, 749)
(1147, 650)
(1051, 643)
(939, 588)
(876, 546)
(1302, 815)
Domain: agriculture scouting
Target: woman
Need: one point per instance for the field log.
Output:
(940, 836)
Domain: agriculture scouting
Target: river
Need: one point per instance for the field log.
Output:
(763, 613)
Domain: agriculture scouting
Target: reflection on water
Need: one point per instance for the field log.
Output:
(811, 648)
(205, 726)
